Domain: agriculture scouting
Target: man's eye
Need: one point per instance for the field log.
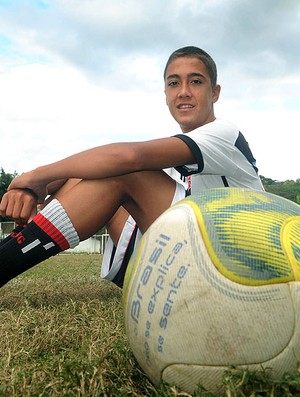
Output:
(173, 84)
(196, 81)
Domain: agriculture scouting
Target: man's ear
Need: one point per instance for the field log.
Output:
(216, 92)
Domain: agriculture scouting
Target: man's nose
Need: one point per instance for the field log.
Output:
(184, 90)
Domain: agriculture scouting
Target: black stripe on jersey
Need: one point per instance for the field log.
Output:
(225, 182)
(243, 147)
(196, 153)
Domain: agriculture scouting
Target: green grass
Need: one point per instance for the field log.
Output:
(62, 334)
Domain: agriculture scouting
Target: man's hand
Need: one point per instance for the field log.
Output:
(19, 205)
(30, 181)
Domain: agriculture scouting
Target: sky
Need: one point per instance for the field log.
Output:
(75, 74)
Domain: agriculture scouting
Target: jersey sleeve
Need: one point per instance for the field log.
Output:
(218, 148)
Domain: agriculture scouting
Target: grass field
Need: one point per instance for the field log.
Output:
(62, 334)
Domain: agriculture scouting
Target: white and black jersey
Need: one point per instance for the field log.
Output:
(223, 158)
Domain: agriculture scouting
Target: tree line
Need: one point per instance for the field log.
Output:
(289, 189)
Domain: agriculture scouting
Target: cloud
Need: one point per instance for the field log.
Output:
(50, 112)
(74, 74)
(259, 38)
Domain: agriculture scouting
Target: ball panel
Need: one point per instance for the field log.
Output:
(242, 232)
(290, 236)
(187, 377)
(135, 261)
(178, 304)
(213, 284)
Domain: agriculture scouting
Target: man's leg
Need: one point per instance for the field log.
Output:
(92, 203)
(80, 212)
(116, 224)
(68, 185)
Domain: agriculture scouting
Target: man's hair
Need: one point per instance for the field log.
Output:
(197, 53)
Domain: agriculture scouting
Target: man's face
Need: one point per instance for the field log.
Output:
(189, 94)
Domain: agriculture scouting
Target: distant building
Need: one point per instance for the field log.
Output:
(94, 244)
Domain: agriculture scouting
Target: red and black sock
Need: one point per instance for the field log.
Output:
(50, 232)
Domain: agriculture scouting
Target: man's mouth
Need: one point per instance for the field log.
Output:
(185, 106)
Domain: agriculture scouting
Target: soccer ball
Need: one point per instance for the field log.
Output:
(214, 283)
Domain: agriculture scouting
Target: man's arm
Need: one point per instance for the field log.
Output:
(107, 161)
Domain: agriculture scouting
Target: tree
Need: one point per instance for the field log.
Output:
(267, 181)
(5, 179)
(289, 189)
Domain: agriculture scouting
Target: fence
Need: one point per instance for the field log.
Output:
(6, 228)
(95, 244)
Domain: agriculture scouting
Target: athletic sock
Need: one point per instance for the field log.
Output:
(13, 234)
(50, 232)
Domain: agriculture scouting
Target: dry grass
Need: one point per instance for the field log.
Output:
(62, 334)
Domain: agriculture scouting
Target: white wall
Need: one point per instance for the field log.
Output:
(94, 244)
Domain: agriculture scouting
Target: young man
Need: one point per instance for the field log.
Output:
(102, 186)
